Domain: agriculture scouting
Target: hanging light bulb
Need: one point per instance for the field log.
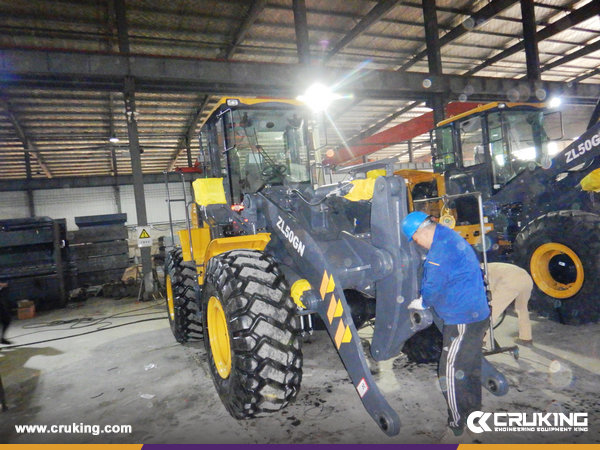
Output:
(318, 97)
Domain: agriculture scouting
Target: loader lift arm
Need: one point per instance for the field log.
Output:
(327, 299)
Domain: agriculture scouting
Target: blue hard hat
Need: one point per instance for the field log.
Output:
(411, 222)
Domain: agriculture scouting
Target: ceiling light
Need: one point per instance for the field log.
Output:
(555, 102)
(113, 139)
(318, 97)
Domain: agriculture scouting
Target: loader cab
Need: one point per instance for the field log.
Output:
(253, 143)
(486, 148)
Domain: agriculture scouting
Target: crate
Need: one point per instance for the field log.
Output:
(25, 304)
(26, 313)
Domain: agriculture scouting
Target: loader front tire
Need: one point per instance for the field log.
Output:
(561, 251)
(182, 308)
(251, 334)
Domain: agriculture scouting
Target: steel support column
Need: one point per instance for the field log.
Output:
(437, 103)
(434, 57)
(432, 40)
(138, 180)
(30, 199)
(134, 145)
(58, 262)
(116, 187)
(532, 57)
(301, 25)
(113, 153)
(122, 29)
(188, 148)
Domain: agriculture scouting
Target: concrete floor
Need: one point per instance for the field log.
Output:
(138, 375)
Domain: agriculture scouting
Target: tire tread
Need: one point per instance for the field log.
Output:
(267, 358)
(187, 324)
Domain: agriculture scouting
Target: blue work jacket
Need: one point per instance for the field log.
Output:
(452, 281)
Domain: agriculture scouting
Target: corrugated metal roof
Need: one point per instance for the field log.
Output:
(67, 130)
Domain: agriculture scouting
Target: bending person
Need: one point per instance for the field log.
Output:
(510, 283)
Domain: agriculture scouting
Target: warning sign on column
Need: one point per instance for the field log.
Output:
(144, 239)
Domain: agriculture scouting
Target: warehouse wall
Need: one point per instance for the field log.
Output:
(13, 205)
(71, 203)
(74, 202)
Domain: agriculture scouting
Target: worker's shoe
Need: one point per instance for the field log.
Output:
(5, 342)
(524, 342)
(450, 437)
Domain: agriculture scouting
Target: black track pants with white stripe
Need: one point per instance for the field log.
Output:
(459, 370)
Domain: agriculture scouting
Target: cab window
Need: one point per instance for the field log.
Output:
(442, 143)
(471, 141)
(502, 169)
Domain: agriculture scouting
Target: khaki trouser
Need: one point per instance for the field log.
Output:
(510, 283)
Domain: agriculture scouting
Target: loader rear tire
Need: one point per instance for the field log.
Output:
(182, 308)
(252, 339)
(425, 346)
(561, 251)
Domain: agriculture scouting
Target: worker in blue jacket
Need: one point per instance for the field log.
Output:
(452, 285)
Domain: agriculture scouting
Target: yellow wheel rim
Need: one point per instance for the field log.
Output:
(170, 302)
(547, 263)
(219, 337)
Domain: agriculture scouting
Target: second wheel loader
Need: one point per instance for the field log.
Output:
(540, 201)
